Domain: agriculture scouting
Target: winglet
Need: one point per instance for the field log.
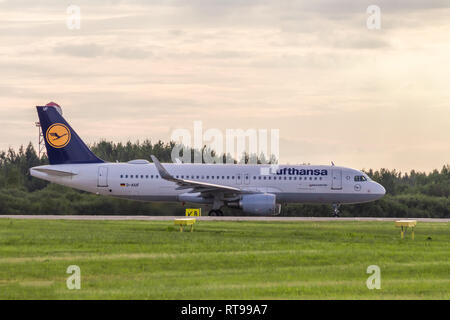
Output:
(162, 171)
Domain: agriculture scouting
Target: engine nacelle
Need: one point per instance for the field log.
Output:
(194, 198)
(263, 204)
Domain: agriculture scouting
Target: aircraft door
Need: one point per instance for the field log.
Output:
(238, 178)
(102, 177)
(336, 176)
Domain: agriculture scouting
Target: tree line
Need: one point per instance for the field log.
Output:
(410, 194)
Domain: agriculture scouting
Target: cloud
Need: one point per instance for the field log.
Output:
(94, 50)
(362, 42)
(85, 50)
(335, 89)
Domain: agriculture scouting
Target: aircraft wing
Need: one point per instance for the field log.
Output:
(196, 186)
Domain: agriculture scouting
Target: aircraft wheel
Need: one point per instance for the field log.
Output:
(219, 213)
(213, 213)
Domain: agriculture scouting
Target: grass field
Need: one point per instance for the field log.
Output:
(222, 260)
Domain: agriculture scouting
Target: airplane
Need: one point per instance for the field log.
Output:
(254, 189)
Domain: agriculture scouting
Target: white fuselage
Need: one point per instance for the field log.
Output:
(140, 180)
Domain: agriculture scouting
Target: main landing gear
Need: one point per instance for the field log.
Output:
(214, 213)
(336, 210)
(215, 208)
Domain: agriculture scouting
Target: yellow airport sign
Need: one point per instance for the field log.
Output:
(185, 222)
(193, 212)
(404, 224)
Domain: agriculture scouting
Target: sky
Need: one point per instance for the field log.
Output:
(336, 89)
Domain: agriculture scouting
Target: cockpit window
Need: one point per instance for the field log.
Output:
(360, 178)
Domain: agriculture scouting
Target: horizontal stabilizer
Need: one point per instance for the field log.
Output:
(53, 172)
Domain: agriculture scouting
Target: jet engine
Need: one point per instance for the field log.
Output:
(260, 204)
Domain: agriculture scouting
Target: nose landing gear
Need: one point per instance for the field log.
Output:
(336, 210)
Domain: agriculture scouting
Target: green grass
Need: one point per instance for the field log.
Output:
(222, 260)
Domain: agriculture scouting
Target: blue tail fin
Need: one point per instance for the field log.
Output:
(63, 144)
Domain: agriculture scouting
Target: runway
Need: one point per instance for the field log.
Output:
(206, 218)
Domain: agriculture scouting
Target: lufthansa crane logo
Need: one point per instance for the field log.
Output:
(58, 135)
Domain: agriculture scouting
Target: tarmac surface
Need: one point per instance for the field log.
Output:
(207, 218)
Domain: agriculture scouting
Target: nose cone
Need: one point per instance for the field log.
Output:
(380, 190)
